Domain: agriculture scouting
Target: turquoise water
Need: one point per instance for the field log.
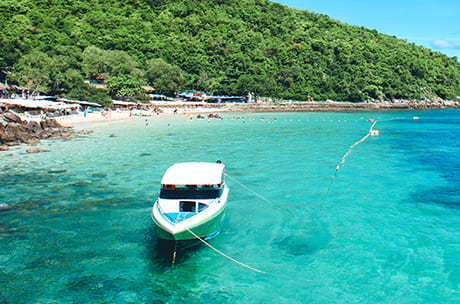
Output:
(387, 231)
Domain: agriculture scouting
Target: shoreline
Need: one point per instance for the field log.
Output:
(334, 106)
(169, 108)
(16, 128)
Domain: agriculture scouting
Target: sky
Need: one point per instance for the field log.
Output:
(432, 24)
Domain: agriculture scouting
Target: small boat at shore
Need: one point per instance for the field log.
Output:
(192, 201)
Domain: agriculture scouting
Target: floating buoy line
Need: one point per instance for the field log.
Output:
(371, 132)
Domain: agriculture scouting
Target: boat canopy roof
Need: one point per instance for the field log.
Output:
(194, 173)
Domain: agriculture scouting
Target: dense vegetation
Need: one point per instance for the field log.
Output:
(217, 46)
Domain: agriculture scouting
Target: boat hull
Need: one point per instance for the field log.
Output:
(208, 227)
(192, 201)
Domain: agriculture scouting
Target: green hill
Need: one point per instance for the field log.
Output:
(218, 46)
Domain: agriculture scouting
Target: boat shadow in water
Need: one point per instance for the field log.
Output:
(160, 252)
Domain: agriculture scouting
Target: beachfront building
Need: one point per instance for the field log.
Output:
(98, 82)
(121, 104)
(81, 103)
(4, 90)
(13, 91)
(202, 97)
(158, 97)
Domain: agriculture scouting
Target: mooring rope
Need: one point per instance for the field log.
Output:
(210, 246)
(223, 254)
(250, 190)
(348, 152)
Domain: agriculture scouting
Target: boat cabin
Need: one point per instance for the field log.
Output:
(191, 181)
(191, 191)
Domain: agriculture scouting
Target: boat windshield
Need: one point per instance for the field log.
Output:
(191, 191)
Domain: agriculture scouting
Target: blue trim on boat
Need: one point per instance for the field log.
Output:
(177, 217)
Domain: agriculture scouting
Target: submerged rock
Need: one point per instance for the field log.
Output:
(57, 171)
(4, 206)
(85, 132)
(80, 184)
(99, 175)
(34, 150)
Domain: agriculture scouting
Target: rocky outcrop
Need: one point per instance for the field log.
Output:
(334, 106)
(10, 117)
(14, 131)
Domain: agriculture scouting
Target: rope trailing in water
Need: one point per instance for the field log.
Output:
(175, 252)
(223, 254)
(248, 188)
(348, 152)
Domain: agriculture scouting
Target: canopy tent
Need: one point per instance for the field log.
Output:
(37, 104)
(80, 102)
(158, 96)
(123, 103)
(148, 88)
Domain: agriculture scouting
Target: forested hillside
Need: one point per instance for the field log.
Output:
(216, 46)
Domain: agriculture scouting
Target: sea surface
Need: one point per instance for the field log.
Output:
(75, 223)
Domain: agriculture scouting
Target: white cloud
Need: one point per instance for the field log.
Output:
(443, 44)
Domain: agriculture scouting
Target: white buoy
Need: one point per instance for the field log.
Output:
(374, 132)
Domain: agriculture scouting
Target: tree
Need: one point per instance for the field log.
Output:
(82, 91)
(109, 63)
(94, 63)
(125, 86)
(121, 63)
(35, 71)
(164, 77)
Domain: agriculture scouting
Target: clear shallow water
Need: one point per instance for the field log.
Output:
(387, 231)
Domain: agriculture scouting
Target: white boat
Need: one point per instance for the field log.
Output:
(192, 201)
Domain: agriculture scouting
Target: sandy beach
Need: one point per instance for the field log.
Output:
(93, 117)
(156, 109)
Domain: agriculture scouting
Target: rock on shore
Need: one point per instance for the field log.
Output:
(333, 106)
(15, 131)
